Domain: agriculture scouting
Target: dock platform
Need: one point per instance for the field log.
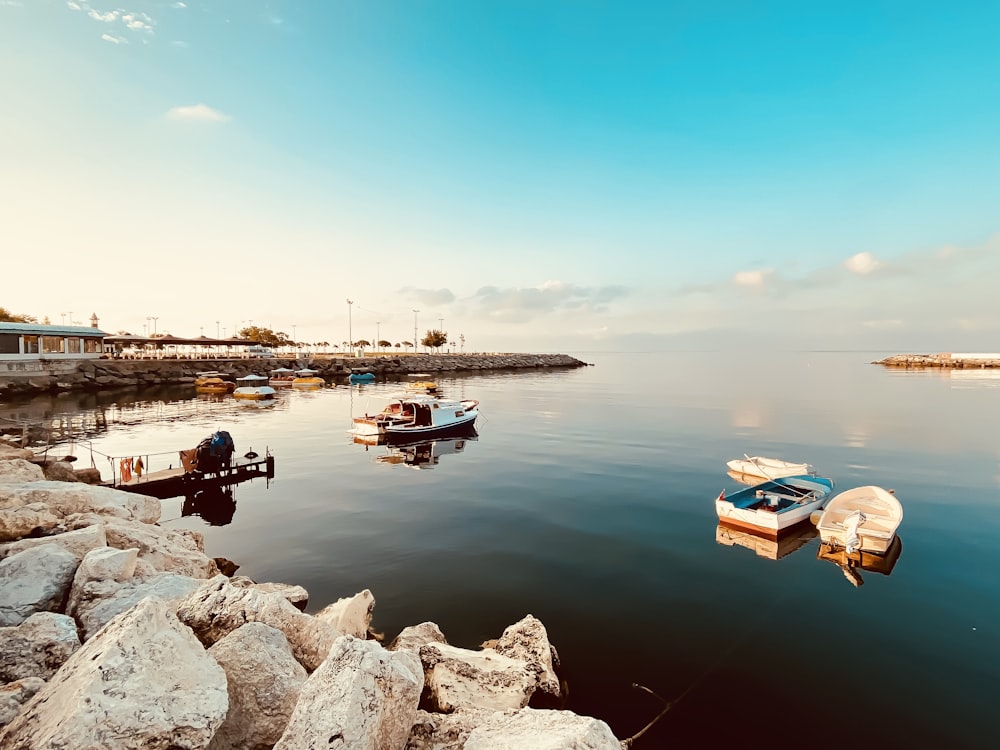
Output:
(178, 482)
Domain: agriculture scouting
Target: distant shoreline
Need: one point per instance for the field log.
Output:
(945, 360)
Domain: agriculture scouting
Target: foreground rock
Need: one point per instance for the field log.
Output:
(143, 682)
(458, 678)
(78, 542)
(37, 647)
(35, 580)
(362, 697)
(541, 730)
(15, 694)
(264, 685)
(218, 608)
(32, 508)
(19, 470)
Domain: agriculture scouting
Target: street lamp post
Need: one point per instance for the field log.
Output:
(350, 339)
(378, 334)
(154, 319)
(217, 329)
(415, 330)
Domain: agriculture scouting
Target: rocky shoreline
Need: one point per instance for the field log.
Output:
(102, 374)
(945, 361)
(116, 632)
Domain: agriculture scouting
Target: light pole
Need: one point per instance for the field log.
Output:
(461, 338)
(293, 333)
(441, 324)
(415, 331)
(350, 339)
(378, 334)
(217, 329)
(154, 319)
(63, 316)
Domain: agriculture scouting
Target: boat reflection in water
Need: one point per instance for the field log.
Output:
(216, 505)
(851, 564)
(763, 546)
(423, 454)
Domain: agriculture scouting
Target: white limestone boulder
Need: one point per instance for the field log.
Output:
(15, 694)
(12, 452)
(458, 678)
(143, 682)
(35, 580)
(218, 608)
(296, 595)
(78, 542)
(20, 470)
(30, 508)
(362, 697)
(528, 641)
(411, 638)
(166, 550)
(541, 730)
(350, 615)
(60, 471)
(37, 647)
(264, 684)
(432, 731)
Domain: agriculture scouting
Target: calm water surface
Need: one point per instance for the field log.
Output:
(587, 501)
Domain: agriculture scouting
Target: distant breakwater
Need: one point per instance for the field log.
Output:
(106, 374)
(946, 360)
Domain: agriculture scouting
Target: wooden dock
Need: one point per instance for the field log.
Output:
(180, 483)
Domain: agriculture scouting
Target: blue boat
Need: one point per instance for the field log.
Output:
(361, 377)
(773, 506)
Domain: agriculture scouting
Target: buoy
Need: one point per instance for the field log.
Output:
(815, 516)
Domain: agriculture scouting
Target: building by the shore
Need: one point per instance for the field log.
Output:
(21, 343)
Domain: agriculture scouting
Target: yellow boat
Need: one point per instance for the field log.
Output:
(306, 378)
(212, 382)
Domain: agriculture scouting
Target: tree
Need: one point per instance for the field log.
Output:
(435, 339)
(264, 336)
(6, 316)
(398, 345)
(383, 344)
(407, 344)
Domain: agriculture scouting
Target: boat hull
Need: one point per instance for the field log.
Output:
(768, 468)
(882, 511)
(403, 432)
(262, 393)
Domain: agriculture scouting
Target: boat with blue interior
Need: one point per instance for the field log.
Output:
(306, 378)
(774, 505)
(253, 388)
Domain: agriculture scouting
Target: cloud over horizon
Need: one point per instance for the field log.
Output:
(197, 112)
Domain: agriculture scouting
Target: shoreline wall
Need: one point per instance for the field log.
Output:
(102, 374)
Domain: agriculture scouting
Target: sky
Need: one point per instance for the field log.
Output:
(531, 176)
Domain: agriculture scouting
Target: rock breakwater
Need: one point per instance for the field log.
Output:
(946, 360)
(116, 632)
(106, 374)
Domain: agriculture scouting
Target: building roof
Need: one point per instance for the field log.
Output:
(129, 339)
(43, 330)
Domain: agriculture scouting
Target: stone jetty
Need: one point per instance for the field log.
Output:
(104, 374)
(945, 360)
(117, 632)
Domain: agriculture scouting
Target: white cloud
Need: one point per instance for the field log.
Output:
(756, 279)
(200, 112)
(72, 6)
(863, 263)
(180, 5)
(114, 39)
(110, 17)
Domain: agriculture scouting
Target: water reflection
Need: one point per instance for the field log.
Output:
(771, 549)
(851, 564)
(216, 505)
(424, 454)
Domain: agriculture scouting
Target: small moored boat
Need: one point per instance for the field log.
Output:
(864, 518)
(306, 378)
(253, 388)
(767, 468)
(281, 377)
(212, 382)
(775, 505)
(410, 416)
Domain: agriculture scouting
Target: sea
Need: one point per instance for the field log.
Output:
(586, 498)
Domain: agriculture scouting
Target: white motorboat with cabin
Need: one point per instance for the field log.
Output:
(775, 505)
(767, 468)
(410, 416)
(253, 388)
(864, 518)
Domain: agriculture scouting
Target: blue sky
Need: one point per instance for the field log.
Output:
(560, 175)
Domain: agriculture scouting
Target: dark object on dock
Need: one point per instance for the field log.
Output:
(208, 467)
